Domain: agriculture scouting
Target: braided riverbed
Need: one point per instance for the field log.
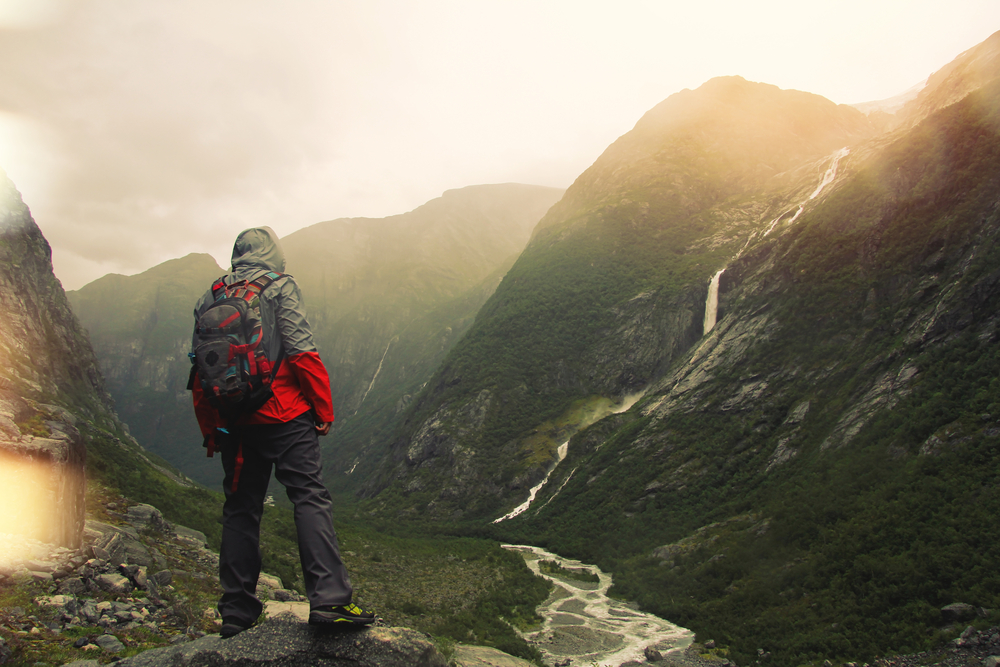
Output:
(584, 626)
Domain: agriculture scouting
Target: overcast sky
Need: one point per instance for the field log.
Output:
(138, 131)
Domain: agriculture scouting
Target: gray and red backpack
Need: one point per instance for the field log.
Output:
(228, 358)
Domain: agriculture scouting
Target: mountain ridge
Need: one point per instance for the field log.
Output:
(368, 285)
(651, 212)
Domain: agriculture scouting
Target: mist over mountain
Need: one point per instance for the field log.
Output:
(803, 462)
(386, 299)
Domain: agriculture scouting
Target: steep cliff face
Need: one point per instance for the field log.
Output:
(47, 366)
(46, 352)
(611, 290)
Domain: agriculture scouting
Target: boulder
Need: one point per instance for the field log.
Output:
(163, 577)
(110, 643)
(958, 611)
(71, 586)
(115, 584)
(651, 654)
(46, 477)
(191, 534)
(285, 640)
(146, 517)
(484, 656)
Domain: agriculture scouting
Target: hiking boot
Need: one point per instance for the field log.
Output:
(350, 613)
(231, 628)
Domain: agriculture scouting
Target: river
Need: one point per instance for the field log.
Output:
(584, 626)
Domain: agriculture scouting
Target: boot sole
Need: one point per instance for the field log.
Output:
(330, 618)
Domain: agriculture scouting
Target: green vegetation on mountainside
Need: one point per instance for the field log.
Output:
(850, 533)
(140, 327)
(611, 288)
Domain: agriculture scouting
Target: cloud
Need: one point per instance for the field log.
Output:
(142, 131)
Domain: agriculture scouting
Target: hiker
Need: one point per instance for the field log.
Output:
(276, 423)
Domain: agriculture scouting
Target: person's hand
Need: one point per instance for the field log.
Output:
(323, 428)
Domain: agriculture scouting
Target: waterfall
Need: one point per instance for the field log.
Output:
(828, 177)
(831, 173)
(377, 370)
(561, 453)
(712, 303)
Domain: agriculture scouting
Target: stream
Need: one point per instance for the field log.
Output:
(583, 626)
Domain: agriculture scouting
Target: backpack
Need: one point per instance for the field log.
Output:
(228, 357)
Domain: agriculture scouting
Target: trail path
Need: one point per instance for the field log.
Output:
(585, 626)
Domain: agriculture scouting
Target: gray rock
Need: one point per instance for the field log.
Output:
(291, 643)
(89, 612)
(83, 663)
(483, 656)
(137, 554)
(41, 566)
(146, 516)
(164, 577)
(284, 595)
(72, 586)
(110, 643)
(651, 654)
(191, 534)
(115, 584)
(60, 604)
(992, 661)
(958, 611)
(710, 644)
(113, 545)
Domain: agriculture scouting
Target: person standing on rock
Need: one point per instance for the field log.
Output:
(282, 432)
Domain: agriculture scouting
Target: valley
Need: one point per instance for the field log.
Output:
(747, 366)
(584, 626)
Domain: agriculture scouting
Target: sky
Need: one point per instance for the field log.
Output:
(140, 131)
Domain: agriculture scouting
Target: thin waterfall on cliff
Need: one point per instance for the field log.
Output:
(712, 303)
(561, 454)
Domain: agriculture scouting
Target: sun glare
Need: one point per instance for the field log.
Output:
(29, 495)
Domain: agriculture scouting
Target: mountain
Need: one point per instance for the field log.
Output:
(611, 288)
(796, 454)
(386, 299)
(140, 327)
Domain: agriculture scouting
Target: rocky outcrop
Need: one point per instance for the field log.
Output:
(286, 641)
(45, 350)
(42, 477)
(484, 656)
(46, 359)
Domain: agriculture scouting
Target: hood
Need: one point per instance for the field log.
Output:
(258, 248)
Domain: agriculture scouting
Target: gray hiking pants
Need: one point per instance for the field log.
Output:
(293, 449)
